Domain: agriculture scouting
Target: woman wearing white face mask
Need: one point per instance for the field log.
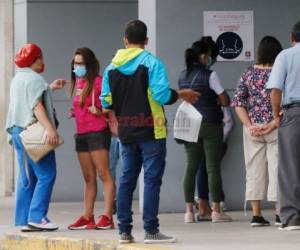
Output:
(92, 139)
(198, 77)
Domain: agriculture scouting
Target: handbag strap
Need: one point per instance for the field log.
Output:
(25, 162)
(93, 97)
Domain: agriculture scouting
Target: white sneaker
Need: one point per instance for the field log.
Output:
(189, 217)
(45, 225)
(220, 217)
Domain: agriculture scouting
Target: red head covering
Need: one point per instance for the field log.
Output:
(27, 55)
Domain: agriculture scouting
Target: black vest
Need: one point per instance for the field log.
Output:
(198, 80)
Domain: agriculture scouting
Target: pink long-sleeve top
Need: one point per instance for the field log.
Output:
(86, 122)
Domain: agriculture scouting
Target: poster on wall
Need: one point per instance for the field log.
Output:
(233, 31)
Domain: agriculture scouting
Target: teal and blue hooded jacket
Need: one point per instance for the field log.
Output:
(135, 85)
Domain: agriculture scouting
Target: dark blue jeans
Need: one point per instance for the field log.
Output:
(114, 156)
(151, 155)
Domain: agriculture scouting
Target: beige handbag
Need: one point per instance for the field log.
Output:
(34, 140)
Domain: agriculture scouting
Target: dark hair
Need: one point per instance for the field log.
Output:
(192, 54)
(213, 46)
(296, 32)
(136, 32)
(267, 50)
(92, 66)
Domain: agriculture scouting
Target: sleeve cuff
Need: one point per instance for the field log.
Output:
(173, 97)
(109, 107)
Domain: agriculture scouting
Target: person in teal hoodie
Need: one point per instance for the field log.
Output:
(136, 86)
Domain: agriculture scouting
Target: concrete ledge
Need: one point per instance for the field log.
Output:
(2, 244)
(37, 242)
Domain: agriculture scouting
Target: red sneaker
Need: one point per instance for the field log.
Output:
(105, 223)
(83, 223)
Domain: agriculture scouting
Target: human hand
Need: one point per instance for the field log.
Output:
(52, 136)
(58, 84)
(188, 95)
(113, 123)
(71, 113)
(268, 128)
(94, 110)
(277, 120)
(106, 111)
(255, 130)
(271, 126)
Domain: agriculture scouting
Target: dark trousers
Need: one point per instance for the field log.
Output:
(202, 179)
(289, 166)
(210, 147)
(151, 155)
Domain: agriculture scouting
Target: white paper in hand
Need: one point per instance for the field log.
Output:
(187, 123)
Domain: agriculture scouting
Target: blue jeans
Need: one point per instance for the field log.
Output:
(151, 155)
(35, 184)
(114, 155)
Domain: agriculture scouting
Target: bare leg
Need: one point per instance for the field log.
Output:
(100, 159)
(256, 209)
(204, 207)
(90, 189)
(216, 207)
(189, 207)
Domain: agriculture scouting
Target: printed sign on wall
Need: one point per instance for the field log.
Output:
(233, 32)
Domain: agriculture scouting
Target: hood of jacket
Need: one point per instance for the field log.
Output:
(128, 60)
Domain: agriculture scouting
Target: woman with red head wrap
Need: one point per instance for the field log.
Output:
(30, 99)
